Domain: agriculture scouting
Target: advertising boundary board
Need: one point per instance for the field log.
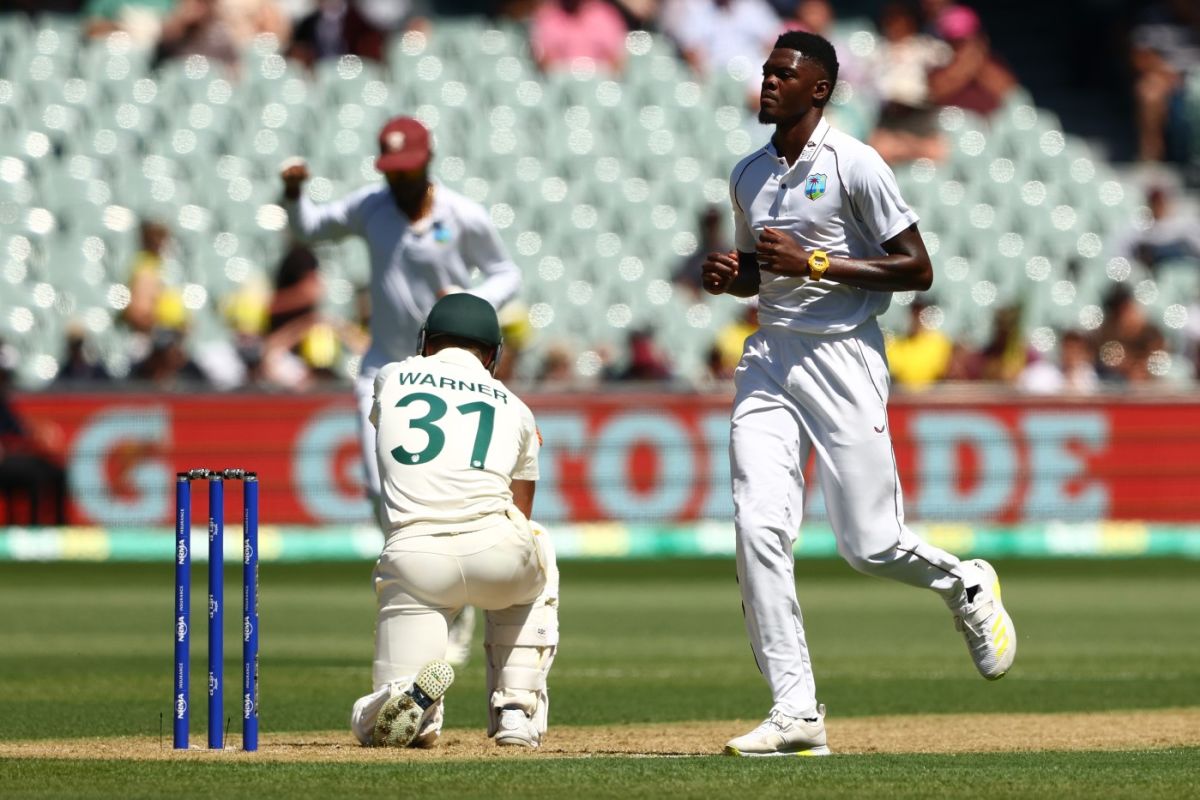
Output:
(637, 458)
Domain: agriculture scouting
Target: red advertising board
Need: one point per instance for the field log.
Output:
(636, 457)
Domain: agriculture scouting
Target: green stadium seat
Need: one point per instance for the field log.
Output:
(605, 175)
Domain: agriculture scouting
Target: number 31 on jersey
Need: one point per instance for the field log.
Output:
(436, 437)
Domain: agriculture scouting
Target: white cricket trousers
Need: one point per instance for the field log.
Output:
(423, 582)
(798, 393)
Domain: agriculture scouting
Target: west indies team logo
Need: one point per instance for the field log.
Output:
(814, 187)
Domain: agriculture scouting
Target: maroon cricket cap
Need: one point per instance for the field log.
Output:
(403, 145)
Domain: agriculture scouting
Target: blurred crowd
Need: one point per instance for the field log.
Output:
(1125, 351)
(927, 55)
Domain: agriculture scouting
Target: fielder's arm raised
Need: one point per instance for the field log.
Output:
(309, 221)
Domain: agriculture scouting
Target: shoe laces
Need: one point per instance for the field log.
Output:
(977, 618)
(776, 722)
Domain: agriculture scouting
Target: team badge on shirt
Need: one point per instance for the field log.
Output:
(441, 233)
(814, 187)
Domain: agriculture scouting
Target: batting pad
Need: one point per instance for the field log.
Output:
(521, 643)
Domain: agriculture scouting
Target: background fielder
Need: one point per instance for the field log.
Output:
(423, 239)
(457, 452)
(823, 238)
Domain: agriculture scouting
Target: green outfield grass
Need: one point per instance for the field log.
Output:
(85, 651)
(1160, 774)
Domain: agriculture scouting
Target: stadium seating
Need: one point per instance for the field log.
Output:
(594, 183)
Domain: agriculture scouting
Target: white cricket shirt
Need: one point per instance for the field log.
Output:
(412, 264)
(839, 197)
(450, 440)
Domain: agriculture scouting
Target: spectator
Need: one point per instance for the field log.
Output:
(974, 78)
(714, 35)
(249, 19)
(1173, 233)
(1165, 48)
(646, 363)
(716, 374)
(295, 354)
(962, 363)
(819, 17)
(563, 31)
(558, 367)
(731, 338)
(1006, 353)
(302, 346)
(517, 333)
(168, 365)
(197, 27)
(907, 127)
(711, 224)
(158, 320)
(336, 28)
(298, 288)
(145, 276)
(1075, 372)
(931, 14)
(640, 15)
(397, 15)
(141, 19)
(31, 472)
(80, 364)
(1126, 340)
(153, 305)
(220, 29)
(246, 313)
(923, 355)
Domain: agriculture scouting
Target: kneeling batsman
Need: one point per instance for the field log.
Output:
(457, 455)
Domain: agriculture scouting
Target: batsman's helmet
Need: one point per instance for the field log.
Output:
(466, 316)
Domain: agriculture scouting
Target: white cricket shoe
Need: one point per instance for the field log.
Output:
(426, 740)
(781, 735)
(516, 729)
(980, 617)
(403, 715)
(458, 637)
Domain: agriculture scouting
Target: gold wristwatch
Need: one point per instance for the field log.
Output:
(818, 262)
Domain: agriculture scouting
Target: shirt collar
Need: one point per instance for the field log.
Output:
(459, 357)
(809, 153)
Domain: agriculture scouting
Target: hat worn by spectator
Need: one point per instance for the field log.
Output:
(403, 145)
(957, 23)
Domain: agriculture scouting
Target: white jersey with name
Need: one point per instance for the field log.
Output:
(839, 197)
(450, 441)
(412, 265)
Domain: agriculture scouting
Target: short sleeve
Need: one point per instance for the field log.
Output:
(381, 379)
(482, 248)
(526, 468)
(743, 235)
(876, 199)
